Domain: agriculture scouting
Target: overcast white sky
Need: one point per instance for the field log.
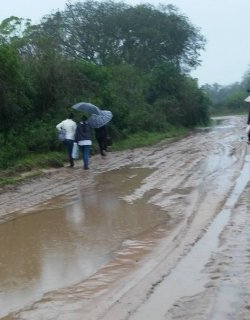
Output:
(224, 23)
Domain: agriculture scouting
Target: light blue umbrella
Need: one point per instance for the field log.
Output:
(86, 107)
(101, 119)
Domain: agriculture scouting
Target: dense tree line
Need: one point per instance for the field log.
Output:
(132, 60)
(226, 99)
(229, 98)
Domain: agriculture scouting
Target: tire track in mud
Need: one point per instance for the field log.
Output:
(227, 292)
(189, 275)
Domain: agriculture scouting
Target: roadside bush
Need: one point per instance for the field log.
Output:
(11, 152)
(42, 137)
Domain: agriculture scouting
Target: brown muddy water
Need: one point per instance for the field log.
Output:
(69, 238)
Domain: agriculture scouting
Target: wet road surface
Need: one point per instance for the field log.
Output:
(60, 245)
(152, 233)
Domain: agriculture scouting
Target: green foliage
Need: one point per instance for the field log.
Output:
(109, 33)
(227, 99)
(12, 29)
(29, 167)
(130, 60)
(11, 152)
(10, 87)
(41, 137)
(145, 138)
(127, 100)
(177, 97)
(40, 160)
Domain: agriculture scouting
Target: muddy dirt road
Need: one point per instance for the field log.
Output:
(195, 265)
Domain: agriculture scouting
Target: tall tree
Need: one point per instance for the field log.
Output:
(143, 36)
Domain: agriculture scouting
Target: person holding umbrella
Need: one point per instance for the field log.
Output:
(97, 120)
(83, 138)
(101, 137)
(70, 127)
(99, 123)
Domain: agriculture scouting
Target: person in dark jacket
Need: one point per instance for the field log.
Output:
(83, 139)
(101, 137)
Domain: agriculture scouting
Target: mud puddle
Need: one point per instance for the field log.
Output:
(71, 237)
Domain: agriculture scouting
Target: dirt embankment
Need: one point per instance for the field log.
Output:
(199, 266)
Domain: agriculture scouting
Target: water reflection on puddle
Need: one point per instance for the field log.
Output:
(58, 246)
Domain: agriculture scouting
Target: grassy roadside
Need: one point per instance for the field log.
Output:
(33, 166)
(144, 139)
(30, 167)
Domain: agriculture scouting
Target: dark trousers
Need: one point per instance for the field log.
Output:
(69, 146)
(102, 145)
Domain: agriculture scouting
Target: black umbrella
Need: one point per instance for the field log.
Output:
(86, 107)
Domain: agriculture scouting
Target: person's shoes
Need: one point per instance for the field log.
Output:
(103, 154)
(86, 168)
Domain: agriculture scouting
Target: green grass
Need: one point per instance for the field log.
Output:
(34, 161)
(15, 179)
(31, 166)
(143, 139)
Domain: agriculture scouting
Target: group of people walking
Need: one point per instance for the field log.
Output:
(81, 134)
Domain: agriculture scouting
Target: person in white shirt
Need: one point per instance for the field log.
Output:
(70, 128)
